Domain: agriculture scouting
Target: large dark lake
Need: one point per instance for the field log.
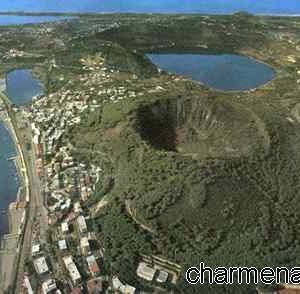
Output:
(21, 86)
(227, 72)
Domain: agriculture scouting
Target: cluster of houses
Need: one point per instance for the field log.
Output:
(151, 274)
(43, 269)
(77, 230)
(76, 264)
(17, 53)
(68, 184)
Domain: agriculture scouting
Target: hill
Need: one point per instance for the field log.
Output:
(189, 174)
(210, 176)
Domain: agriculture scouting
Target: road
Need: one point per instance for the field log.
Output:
(36, 212)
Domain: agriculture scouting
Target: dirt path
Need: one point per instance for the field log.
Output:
(131, 214)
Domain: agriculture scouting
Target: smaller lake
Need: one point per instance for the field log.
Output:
(6, 20)
(21, 86)
(226, 72)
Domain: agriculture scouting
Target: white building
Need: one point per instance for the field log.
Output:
(81, 224)
(41, 265)
(72, 269)
(84, 245)
(77, 207)
(145, 272)
(162, 277)
(49, 286)
(119, 286)
(35, 249)
(127, 289)
(65, 227)
(62, 244)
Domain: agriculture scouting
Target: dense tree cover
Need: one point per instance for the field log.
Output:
(226, 34)
(239, 211)
(229, 212)
(123, 242)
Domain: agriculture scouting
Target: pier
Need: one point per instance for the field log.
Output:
(13, 158)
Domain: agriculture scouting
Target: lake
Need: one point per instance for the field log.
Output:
(19, 20)
(21, 86)
(9, 180)
(226, 72)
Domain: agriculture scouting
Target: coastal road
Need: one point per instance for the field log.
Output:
(36, 212)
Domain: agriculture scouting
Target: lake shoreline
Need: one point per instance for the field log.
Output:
(227, 73)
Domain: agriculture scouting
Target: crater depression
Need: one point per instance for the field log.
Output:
(201, 128)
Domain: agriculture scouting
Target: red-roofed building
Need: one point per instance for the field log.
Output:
(93, 265)
(95, 286)
(76, 291)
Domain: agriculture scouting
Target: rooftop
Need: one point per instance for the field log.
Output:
(35, 249)
(62, 244)
(162, 277)
(95, 286)
(72, 268)
(49, 286)
(145, 272)
(93, 265)
(41, 265)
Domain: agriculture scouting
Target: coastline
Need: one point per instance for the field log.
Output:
(18, 161)
(11, 243)
(15, 170)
